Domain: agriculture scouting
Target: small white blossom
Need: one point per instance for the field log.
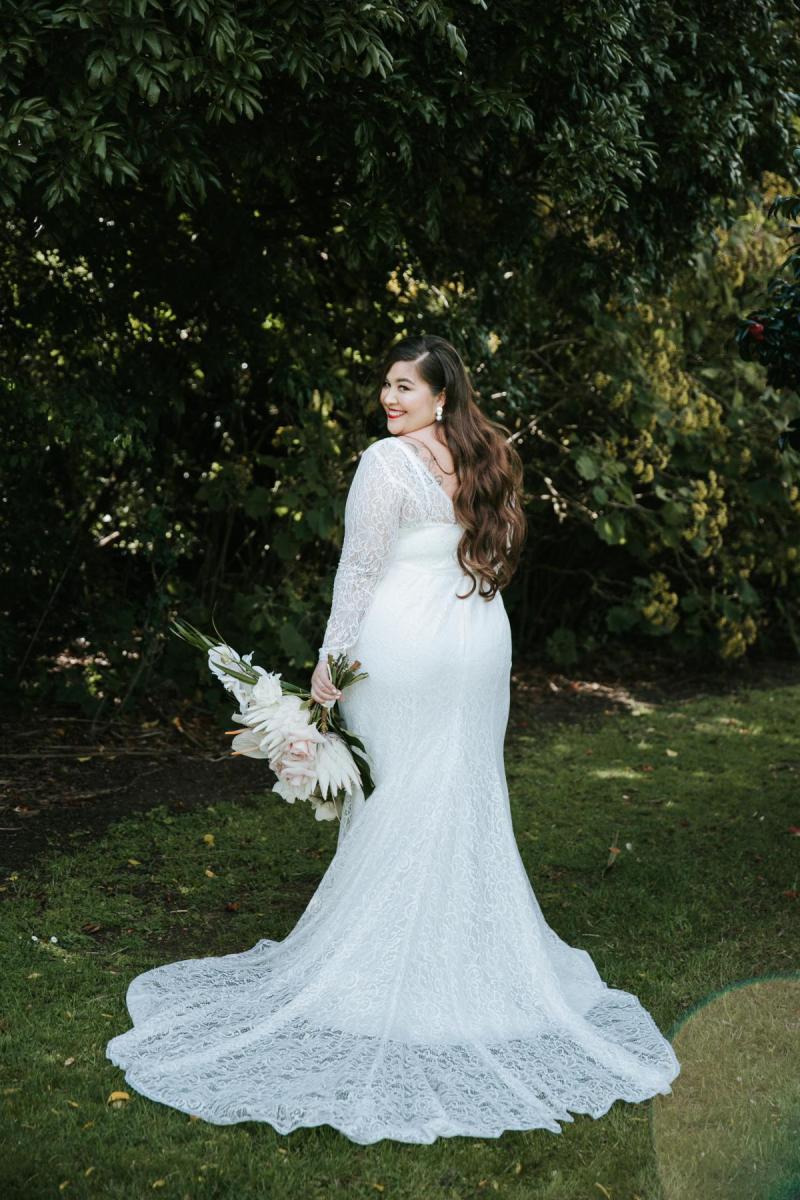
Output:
(220, 659)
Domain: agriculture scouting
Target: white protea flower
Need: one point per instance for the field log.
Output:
(336, 767)
(286, 722)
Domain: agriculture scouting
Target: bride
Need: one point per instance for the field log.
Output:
(421, 994)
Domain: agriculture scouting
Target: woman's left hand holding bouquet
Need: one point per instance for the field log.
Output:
(323, 689)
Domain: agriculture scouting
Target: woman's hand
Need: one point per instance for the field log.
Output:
(322, 689)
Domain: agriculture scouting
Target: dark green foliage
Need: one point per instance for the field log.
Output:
(771, 334)
(216, 216)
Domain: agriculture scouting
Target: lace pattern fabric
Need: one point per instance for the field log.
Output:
(421, 993)
(385, 496)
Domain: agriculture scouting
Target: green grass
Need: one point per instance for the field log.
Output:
(697, 898)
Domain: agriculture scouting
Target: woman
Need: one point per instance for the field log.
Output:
(422, 993)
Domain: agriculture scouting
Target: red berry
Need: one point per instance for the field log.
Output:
(757, 331)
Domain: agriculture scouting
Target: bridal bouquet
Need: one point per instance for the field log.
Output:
(304, 742)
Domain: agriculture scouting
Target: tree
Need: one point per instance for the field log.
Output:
(217, 213)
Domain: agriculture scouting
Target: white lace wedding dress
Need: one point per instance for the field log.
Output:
(421, 994)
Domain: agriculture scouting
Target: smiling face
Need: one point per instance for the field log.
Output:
(406, 393)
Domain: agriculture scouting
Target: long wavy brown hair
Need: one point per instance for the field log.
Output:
(488, 501)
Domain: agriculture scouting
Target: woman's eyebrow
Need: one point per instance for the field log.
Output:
(411, 381)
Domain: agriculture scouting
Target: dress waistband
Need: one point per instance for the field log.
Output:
(428, 546)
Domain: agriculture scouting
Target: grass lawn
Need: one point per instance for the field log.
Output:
(700, 800)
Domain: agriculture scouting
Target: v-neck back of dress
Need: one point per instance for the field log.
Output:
(425, 470)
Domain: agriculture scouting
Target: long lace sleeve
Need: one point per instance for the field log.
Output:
(371, 523)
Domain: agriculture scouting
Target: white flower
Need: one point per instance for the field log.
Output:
(53, 939)
(324, 810)
(222, 658)
(282, 723)
(248, 742)
(34, 937)
(290, 793)
(296, 766)
(336, 767)
(267, 690)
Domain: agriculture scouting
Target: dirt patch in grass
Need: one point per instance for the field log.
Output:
(62, 778)
(57, 779)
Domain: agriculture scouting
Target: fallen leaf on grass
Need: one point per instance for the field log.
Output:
(613, 853)
(117, 1099)
(208, 838)
(211, 874)
(73, 1104)
(134, 862)
(68, 1062)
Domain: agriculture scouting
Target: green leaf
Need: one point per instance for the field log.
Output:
(293, 644)
(748, 594)
(258, 502)
(620, 618)
(673, 513)
(587, 466)
(611, 528)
